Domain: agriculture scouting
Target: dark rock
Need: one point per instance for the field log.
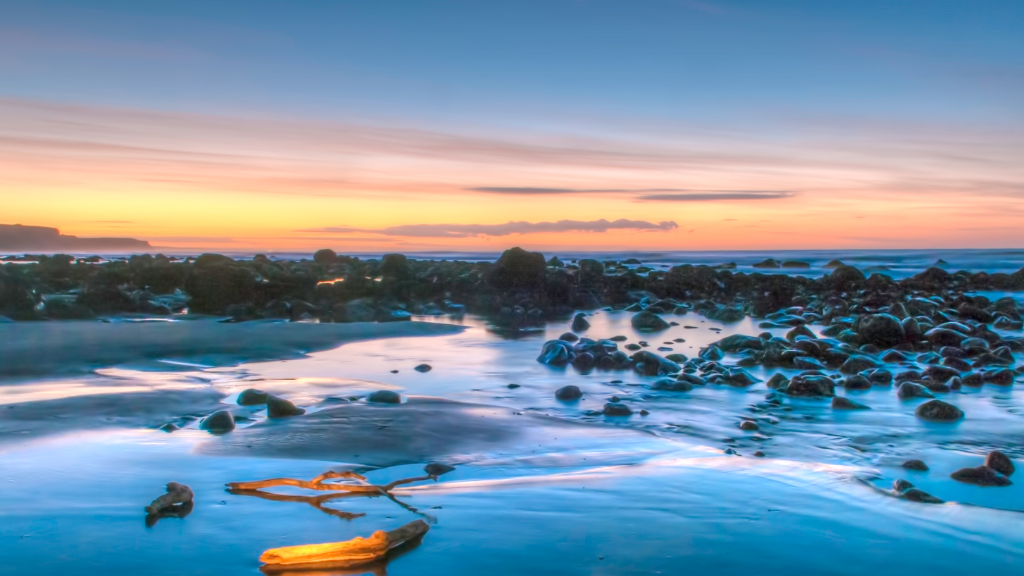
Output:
(1000, 463)
(811, 385)
(436, 469)
(648, 322)
(569, 337)
(568, 393)
(423, 368)
(556, 353)
(980, 476)
(918, 495)
(857, 382)
(739, 342)
(518, 269)
(385, 397)
(672, 385)
(777, 380)
(579, 323)
(616, 409)
(749, 425)
(769, 263)
(913, 390)
(281, 408)
(915, 465)
(252, 397)
(512, 386)
(219, 422)
(855, 364)
(939, 410)
(841, 403)
(883, 330)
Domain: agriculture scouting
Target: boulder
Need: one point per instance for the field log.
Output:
(841, 403)
(939, 410)
(980, 476)
(281, 408)
(569, 393)
(579, 323)
(648, 322)
(252, 397)
(1000, 463)
(219, 422)
(385, 397)
(882, 330)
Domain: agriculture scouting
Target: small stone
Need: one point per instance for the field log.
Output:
(512, 386)
(841, 403)
(749, 425)
(385, 397)
(1000, 463)
(918, 495)
(980, 476)
(423, 368)
(644, 412)
(901, 485)
(939, 410)
(252, 397)
(915, 465)
(436, 469)
(169, 427)
(759, 454)
(281, 408)
(616, 409)
(219, 422)
(569, 393)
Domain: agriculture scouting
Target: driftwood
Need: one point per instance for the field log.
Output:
(350, 485)
(348, 554)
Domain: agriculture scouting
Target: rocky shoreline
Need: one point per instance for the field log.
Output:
(519, 290)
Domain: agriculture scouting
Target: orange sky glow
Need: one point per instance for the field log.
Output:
(255, 182)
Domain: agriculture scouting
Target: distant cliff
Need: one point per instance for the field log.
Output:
(18, 237)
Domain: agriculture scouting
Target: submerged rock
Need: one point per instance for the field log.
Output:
(916, 465)
(939, 410)
(616, 409)
(281, 408)
(569, 393)
(648, 322)
(1000, 463)
(252, 397)
(423, 368)
(579, 323)
(556, 353)
(436, 469)
(912, 390)
(385, 397)
(980, 476)
(842, 403)
(219, 422)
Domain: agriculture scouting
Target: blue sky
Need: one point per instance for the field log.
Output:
(767, 75)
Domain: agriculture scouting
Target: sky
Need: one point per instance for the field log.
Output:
(415, 125)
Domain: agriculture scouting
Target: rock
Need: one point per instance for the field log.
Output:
(252, 397)
(980, 476)
(672, 385)
(1000, 463)
(648, 322)
(944, 337)
(855, 364)
(616, 409)
(219, 422)
(651, 364)
(778, 380)
(759, 454)
(568, 337)
(569, 393)
(176, 494)
(768, 263)
(749, 425)
(436, 469)
(423, 368)
(579, 323)
(901, 485)
(281, 408)
(857, 382)
(841, 403)
(812, 385)
(882, 330)
(385, 397)
(325, 256)
(518, 269)
(939, 410)
(912, 390)
(512, 386)
(556, 353)
(918, 495)
(915, 465)
(737, 377)
(739, 342)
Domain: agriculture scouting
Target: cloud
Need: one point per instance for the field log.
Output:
(720, 195)
(506, 229)
(648, 194)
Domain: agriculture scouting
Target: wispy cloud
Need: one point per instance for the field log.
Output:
(506, 229)
(721, 195)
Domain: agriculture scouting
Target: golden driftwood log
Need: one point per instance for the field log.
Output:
(349, 554)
